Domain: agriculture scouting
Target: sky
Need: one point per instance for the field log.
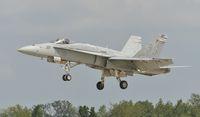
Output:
(29, 81)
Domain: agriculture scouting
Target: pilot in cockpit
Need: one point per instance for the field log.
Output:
(62, 41)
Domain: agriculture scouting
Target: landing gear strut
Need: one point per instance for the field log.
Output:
(118, 74)
(67, 76)
(100, 84)
(122, 83)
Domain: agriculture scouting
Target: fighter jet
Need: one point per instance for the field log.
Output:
(132, 59)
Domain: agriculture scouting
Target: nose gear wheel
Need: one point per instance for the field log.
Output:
(67, 77)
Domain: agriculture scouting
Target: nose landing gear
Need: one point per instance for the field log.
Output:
(67, 77)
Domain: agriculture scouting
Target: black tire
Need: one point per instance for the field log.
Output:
(100, 85)
(67, 77)
(123, 84)
(64, 77)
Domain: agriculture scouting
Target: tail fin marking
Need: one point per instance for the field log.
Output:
(153, 50)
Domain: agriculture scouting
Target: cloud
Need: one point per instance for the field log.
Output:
(25, 22)
(51, 16)
(6, 70)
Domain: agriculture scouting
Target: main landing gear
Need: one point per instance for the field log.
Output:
(118, 74)
(122, 83)
(100, 85)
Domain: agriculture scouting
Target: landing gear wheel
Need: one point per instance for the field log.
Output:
(123, 84)
(67, 77)
(100, 85)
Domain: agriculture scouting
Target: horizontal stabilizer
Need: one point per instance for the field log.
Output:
(175, 66)
(138, 59)
(140, 63)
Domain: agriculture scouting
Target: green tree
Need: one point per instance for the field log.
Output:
(123, 109)
(195, 100)
(84, 111)
(60, 109)
(169, 110)
(143, 109)
(163, 110)
(38, 111)
(195, 112)
(180, 109)
(16, 111)
(92, 112)
(159, 109)
(102, 112)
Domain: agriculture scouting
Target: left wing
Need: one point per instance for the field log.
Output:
(142, 64)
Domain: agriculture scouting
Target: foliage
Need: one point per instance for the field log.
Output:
(85, 112)
(38, 111)
(123, 109)
(60, 109)
(63, 108)
(128, 109)
(195, 100)
(92, 112)
(102, 112)
(16, 111)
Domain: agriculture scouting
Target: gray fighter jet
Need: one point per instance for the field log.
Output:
(132, 59)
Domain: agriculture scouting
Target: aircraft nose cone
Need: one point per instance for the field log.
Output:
(21, 50)
(27, 50)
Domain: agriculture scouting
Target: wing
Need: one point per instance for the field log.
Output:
(83, 57)
(102, 53)
(141, 64)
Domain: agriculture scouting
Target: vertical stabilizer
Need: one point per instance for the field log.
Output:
(153, 50)
(132, 46)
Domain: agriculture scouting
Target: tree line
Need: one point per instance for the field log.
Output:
(63, 108)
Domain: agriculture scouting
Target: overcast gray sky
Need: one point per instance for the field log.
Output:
(28, 81)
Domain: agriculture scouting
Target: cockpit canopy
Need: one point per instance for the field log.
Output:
(62, 41)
